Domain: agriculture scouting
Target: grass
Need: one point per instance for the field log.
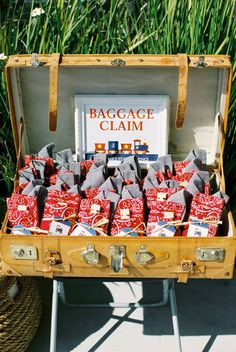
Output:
(117, 26)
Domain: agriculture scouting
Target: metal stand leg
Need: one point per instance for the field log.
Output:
(168, 291)
(174, 314)
(53, 334)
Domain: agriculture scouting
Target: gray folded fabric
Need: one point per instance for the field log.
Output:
(54, 188)
(169, 184)
(39, 166)
(194, 165)
(150, 182)
(113, 197)
(31, 186)
(131, 191)
(100, 157)
(222, 195)
(156, 167)
(132, 163)
(75, 190)
(95, 178)
(75, 167)
(47, 150)
(204, 176)
(40, 192)
(127, 175)
(66, 179)
(112, 183)
(166, 160)
(182, 197)
(197, 153)
(26, 175)
(64, 156)
(195, 185)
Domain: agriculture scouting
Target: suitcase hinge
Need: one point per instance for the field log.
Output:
(35, 60)
(201, 62)
(118, 62)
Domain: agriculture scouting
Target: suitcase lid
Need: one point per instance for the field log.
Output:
(41, 88)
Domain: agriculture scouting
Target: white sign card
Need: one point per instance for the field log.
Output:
(121, 125)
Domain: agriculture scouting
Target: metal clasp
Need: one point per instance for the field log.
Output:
(118, 62)
(117, 254)
(142, 256)
(52, 257)
(201, 62)
(90, 256)
(187, 265)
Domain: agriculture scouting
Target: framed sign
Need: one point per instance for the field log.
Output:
(121, 125)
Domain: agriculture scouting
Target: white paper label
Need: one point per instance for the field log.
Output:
(125, 214)
(81, 230)
(95, 208)
(160, 229)
(59, 228)
(198, 230)
(161, 196)
(169, 214)
(22, 207)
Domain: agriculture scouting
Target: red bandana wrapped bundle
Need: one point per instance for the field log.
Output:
(164, 211)
(92, 212)
(59, 204)
(208, 209)
(22, 210)
(129, 217)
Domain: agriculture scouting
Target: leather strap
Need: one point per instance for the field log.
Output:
(182, 90)
(53, 91)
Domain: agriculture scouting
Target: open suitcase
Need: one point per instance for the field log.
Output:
(198, 84)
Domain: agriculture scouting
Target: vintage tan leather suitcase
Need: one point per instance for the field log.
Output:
(199, 87)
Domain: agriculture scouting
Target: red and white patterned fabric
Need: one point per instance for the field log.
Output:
(60, 204)
(180, 166)
(160, 194)
(205, 208)
(91, 192)
(22, 210)
(89, 217)
(164, 211)
(136, 216)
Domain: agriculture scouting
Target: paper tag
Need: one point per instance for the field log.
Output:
(162, 229)
(169, 214)
(127, 231)
(22, 207)
(184, 183)
(59, 228)
(161, 196)
(83, 229)
(197, 229)
(20, 230)
(95, 208)
(125, 214)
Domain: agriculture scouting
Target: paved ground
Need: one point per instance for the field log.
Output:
(207, 311)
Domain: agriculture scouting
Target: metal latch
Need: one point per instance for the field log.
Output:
(117, 254)
(142, 256)
(90, 256)
(52, 257)
(187, 265)
(211, 254)
(118, 62)
(201, 62)
(24, 252)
